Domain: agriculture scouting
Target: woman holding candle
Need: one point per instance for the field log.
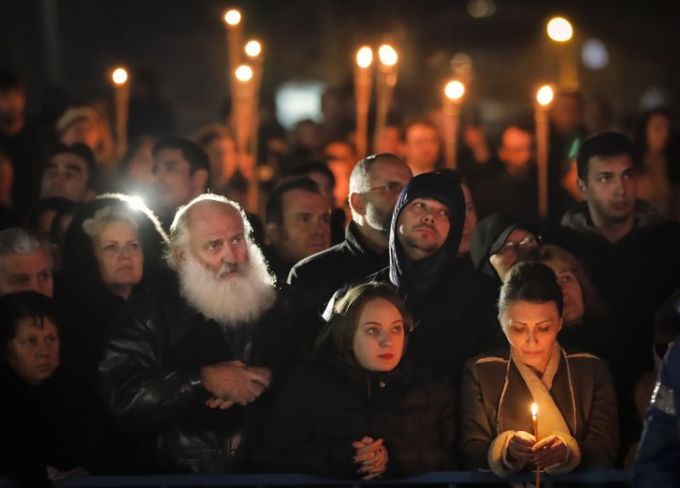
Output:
(576, 403)
(358, 410)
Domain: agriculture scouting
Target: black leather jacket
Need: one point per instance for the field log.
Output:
(150, 377)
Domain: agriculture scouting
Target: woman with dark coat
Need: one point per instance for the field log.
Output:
(112, 251)
(577, 408)
(357, 410)
(36, 427)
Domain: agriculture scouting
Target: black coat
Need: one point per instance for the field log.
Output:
(323, 273)
(36, 429)
(634, 277)
(328, 404)
(150, 376)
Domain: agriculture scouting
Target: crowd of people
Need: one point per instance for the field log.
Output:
(383, 317)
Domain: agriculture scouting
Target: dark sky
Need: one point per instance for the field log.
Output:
(184, 42)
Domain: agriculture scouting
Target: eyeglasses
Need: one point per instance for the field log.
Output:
(514, 246)
(389, 187)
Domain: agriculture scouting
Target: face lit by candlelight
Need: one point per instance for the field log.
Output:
(531, 329)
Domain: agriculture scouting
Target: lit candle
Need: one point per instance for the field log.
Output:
(121, 91)
(453, 95)
(362, 95)
(233, 22)
(387, 80)
(544, 98)
(534, 421)
(253, 51)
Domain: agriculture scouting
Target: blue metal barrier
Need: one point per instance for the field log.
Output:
(448, 478)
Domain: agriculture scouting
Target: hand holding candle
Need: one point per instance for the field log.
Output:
(534, 421)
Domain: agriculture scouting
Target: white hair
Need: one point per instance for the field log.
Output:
(244, 295)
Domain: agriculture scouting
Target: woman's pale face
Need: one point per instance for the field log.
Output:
(379, 339)
(531, 329)
(119, 255)
(572, 293)
(33, 352)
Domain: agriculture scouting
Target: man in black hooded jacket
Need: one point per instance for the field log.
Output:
(451, 304)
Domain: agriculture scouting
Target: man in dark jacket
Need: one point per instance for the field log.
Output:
(186, 360)
(631, 255)
(374, 185)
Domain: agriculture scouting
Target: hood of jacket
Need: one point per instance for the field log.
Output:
(414, 277)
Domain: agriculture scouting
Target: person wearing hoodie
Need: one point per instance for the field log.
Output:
(357, 410)
(451, 303)
(629, 252)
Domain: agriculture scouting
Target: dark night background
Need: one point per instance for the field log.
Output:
(75, 42)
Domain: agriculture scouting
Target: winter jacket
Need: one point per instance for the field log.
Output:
(329, 404)
(496, 400)
(634, 276)
(323, 273)
(150, 376)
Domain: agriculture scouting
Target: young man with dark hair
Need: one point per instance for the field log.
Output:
(182, 172)
(630, 253)
(297, 224)
(421, 148)
(70, 172)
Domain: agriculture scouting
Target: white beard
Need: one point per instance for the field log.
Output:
(237, 294)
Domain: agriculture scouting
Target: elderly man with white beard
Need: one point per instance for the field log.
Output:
(192, 366)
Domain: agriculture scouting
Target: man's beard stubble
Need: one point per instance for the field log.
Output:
(237, 294)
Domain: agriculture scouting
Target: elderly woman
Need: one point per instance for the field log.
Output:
(35, 427)
(577, 409)
(357, 410)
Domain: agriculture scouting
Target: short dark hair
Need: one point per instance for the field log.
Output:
(419, 121)
(84, 152)
(16, 307)
(531, 282)
(304, 169)
(274, 209)
(344, 321)
(604, 144)
(193, 153)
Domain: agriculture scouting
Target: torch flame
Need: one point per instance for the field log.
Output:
(253, 48)
(244, 73)
(119, 76)
(454, 90)
(364, 57)
(232, 17)
(388, 56)
(545, 95)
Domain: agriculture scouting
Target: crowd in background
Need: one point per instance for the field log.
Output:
(382, 316)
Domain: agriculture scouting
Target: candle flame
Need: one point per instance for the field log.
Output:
(454, 90)
(244, 73)
(545, 95)
(232, 17)
(560, 29)
(364, 57)
(253, 48)
(534, 410)
(119, 76)
(388, 56)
